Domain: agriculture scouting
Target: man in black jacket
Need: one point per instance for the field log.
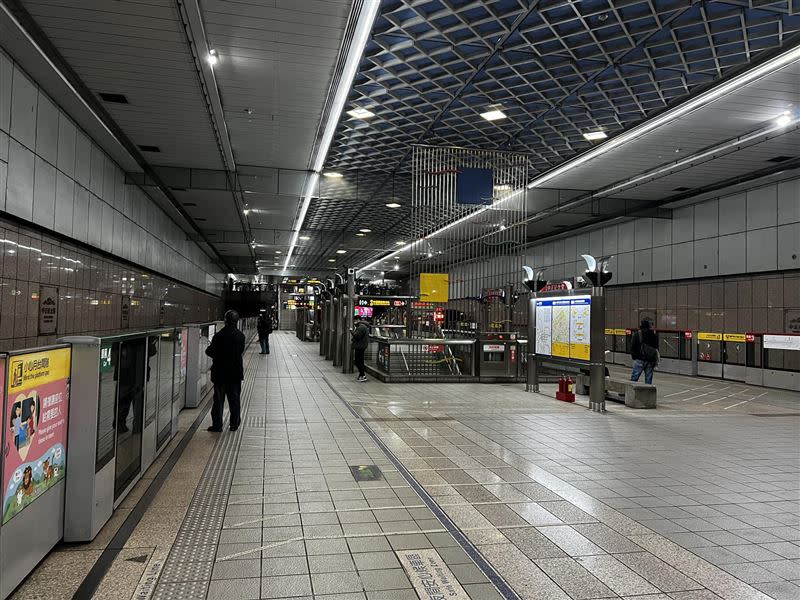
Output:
(644, 352)
(360, 343)
(264, 328)
(227, 371)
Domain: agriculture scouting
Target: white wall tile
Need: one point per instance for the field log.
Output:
(23, 109)
(762, 207)
(19, 196)
(789, 247)
(706, 257)
(732, 253)
(67, 134)
(44, 194)
(662, 232)
(733, 214)
(706, 220)
(762, 249)
(789, 201)
(47, 129)
(65, 203)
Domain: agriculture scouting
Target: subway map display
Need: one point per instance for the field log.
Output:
(563, 325)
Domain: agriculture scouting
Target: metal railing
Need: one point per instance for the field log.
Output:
(428, 357)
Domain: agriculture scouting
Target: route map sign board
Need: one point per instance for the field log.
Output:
(563, 325)
(35, 412)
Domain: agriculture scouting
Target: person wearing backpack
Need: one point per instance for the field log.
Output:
(644, 352)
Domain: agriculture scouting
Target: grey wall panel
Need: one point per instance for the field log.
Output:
(558, 252)
(643, 234)
(97, 174)
(762, 207)
(109, 177)
(95, 220)
(789, 202)
(762, 250)
(683, 224)
(662, 263)
(107, 228)
(3, 182)
(570, 249)
(118, 233)
(596, 242)
(625, 264)
(643, 265)
(683, 260)
(44, 194)
(6, 77)
(80, 214)
(706, 220)
(83, 159)
(625, 237)
(733, 214)
(67, 134)
(706, 257)
(19, 195)
(789, 247)
(610, 245)
(4, 141)
(662, 232)
(24, 95)
(46, 129)
(732, 253)
(65, 203)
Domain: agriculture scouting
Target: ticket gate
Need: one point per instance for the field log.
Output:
(498, 355)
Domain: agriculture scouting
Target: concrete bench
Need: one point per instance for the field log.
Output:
(635, 394)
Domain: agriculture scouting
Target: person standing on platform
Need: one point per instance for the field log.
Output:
(360, 343)
(644, 352)
(264, 327)
(227, 371)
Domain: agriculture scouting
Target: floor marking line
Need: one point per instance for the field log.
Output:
(737, 404)
(702, 387)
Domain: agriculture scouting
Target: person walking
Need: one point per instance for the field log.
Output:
(644, 352)
(360, 343)
(227, 371)
(264, 328)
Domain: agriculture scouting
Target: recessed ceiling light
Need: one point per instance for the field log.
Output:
(400, 243)
(365, 230)
(331, 260)
(246, 211)
(361, 235)
(212, 58)
(393, 205)
(333, 174)
(594, 136)
(494, 113)
(304, 238)
(783, 120)
(341, 252)
(278, 252)
(361, 113)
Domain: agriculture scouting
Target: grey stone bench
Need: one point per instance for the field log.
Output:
(635, 394)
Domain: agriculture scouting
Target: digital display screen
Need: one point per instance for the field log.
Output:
(363, 311)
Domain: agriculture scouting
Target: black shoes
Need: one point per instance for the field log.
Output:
(213, 429)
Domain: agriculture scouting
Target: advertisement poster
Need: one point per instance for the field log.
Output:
(36, 411)
(544, 315)
(580, 312)
(48, 309)
(184, 350)
(560, 327)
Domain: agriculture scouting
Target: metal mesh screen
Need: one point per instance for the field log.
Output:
(478, 246)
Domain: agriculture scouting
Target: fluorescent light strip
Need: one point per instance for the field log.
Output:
(768, 67)
(363, 28)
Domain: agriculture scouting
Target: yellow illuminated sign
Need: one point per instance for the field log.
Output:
(434, 287)
(710, 337)
(37, 369)
(734, 337)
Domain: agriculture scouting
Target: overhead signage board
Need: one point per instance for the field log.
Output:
(781, 342)
(734, 337)
(474, 186)
(375, 302)
(36, 411)
(709, 337)
(563, 327)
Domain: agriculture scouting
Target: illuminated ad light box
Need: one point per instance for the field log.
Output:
(562, 327)
(474, 186)
(36, 411)
(434, 287)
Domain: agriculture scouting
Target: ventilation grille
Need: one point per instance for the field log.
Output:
(114, 98)
(149, 148)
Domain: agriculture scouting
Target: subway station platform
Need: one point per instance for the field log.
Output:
(498, 493)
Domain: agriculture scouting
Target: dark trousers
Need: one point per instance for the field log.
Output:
(358, 358)
(233, 391)
(264, 341)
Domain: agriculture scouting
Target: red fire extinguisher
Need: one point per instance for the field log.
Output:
(569, 384)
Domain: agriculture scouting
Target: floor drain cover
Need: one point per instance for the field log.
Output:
(366, 472)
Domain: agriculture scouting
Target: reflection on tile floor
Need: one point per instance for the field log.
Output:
(673, 504)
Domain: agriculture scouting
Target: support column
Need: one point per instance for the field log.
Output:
(597, 351)
(349, 308)
(532, 382)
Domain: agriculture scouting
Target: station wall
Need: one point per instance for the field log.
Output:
(52, 174)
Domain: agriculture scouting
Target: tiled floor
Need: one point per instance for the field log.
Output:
(521, 496)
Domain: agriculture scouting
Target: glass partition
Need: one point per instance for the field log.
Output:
(107, 404)
(151, 378)
(180, 361)
(130, 371)
(165, 375)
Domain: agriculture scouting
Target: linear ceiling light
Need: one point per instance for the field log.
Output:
(361, 113)
(333, 174)
(494, 113)
(363, 28)
(595, 136)
(718, 91)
